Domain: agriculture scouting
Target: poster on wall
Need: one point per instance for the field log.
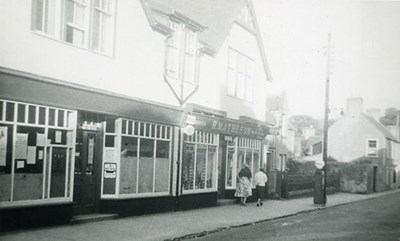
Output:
(3, 145)
(21, 146)
(90, 151)
(110, 170)
(58, 136)
(40, 139)
(31, 159)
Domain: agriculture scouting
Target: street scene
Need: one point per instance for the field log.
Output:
(186, 119)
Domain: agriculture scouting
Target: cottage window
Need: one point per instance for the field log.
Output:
(199, 168)
(372, 148)
(43, 16)
(240, 75)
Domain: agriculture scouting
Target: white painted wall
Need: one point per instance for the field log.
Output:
(136, 67)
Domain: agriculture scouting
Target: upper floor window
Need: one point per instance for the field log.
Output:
(85, 23)
(240, 75)
(182, 54)
(372, 148)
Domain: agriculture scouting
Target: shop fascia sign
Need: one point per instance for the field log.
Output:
(229, 127)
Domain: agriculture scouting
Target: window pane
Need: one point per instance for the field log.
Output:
(110, 126)
(1, 110)
(123, 126)
(21, 113)
(42, 115)
(146, 165)
(60, 118)
(32, 114)
(69, 11)
(240, 92)
(37, 14)
(58, 171)
(230, 166)
(212, 156)
(201, 167)
(128, 165)
(162, 166)
(240, 160)
(52, 117)
(249, 89)
(188, 167)
(10, 111)
(96, 31)
(256, 164)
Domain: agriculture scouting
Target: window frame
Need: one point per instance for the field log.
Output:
(68, 125)
(61, 24)
(209, 140)
(245, 144)
(124, 130)
(246, 69)
(369, 149)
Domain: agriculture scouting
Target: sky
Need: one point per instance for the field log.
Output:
(365, 55)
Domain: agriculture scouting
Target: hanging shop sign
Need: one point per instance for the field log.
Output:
(229, 127)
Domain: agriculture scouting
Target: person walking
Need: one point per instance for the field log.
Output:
(260, 179)
(243, 187)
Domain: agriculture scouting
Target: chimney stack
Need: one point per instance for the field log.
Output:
(354, 106)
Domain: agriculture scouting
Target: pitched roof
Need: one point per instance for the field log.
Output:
(216, 18)
(380, 127)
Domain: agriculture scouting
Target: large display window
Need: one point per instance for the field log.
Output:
(199, 166)
(36, 153)
(137, 159)
(239, 151)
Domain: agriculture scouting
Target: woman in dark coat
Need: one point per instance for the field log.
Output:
(243, 188)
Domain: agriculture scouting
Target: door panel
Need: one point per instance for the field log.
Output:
(87, 163)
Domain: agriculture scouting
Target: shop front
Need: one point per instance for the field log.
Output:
(214, 154)
(67, 150)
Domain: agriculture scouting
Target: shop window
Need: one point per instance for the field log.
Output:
(38, 163)
(199, 164)
(145, 158)
(248, 151)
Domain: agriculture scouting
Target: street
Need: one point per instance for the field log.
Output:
(375, 219)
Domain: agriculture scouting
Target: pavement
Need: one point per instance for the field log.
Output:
(184, 224)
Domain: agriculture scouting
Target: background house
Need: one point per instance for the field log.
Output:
(363, 148)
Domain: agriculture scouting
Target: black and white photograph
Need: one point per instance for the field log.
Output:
(225, 120)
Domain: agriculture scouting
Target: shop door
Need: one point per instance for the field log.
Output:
(87, 174)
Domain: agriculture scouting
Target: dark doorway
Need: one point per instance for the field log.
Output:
(375, 173)
(87, 172)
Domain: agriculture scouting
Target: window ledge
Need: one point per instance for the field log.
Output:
(48, 36)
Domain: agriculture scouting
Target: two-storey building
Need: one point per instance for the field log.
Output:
(126, 107)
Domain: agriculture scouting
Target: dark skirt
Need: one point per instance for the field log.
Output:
(260, 191)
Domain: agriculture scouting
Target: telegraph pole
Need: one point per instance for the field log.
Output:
(321, 173)
(326, 117)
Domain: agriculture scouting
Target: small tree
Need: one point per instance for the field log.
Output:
(390, 117)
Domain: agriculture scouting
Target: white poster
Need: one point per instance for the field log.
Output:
(31, 155)
(40, 155)
(40, 139)
(90, 151)
(3, 145)
(21, 145)
(20, 164)
(58, 136)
